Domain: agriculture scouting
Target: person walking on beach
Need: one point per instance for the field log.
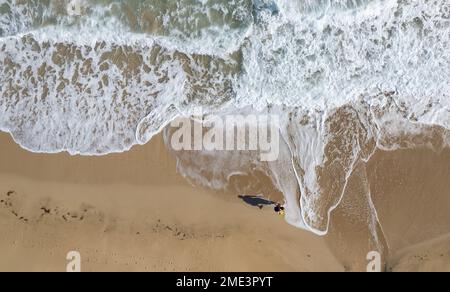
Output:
(279, 209)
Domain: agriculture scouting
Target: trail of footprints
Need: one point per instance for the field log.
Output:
(12, 201)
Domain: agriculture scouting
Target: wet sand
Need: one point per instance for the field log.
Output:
(429, 256)
(410, 193)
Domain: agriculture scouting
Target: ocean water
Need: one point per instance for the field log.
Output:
(345, 76)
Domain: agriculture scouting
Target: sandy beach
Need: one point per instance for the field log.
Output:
(132, 212)
(316, 135)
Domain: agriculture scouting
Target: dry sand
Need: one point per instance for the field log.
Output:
(132, 212)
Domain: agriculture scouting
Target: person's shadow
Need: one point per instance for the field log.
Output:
(256, 201)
